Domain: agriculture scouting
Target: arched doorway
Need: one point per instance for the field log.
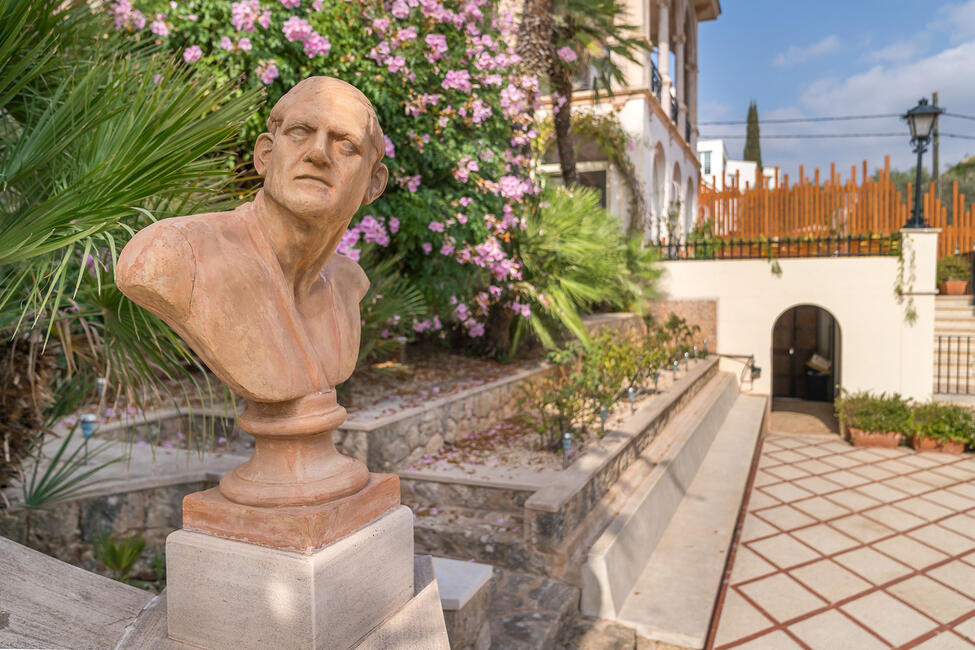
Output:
(806, 354)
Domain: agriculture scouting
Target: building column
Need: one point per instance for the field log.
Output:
(663, 53)
(692, 103)
(681, 75)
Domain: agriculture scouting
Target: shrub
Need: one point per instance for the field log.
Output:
(574, 258)
(878, 414)
(443, 80)
(945, 422)
(954, 267)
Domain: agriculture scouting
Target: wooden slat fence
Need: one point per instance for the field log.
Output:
(820, 206)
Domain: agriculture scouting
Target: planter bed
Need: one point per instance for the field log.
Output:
(925, 443)
(861, 438)
(517, 508)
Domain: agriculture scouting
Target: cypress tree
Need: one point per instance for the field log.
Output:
(753, 150)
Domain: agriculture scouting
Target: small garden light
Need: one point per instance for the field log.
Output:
(695, 352)
(100, 385)
(676, 364)
(88, 421)
(705, 347)
(632, 395)
(566, 446)
(656, 379)
(603, 414)
(687, 360)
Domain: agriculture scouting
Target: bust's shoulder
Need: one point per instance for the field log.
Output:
(347, 275)
(157, 268)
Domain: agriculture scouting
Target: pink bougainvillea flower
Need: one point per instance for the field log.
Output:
(317, 45)
(243, 15)
(291, 4)
(400, 9)
(457, 79)
(427, 247)
(159, 28)
(567, 54)
(393, 224)
(244, 44)
(296, 29)
(390, 150)
(192, 54)
(226, 44)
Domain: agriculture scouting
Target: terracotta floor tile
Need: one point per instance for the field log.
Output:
(894, 518)
(969, 557)
(738, 619)
(949, 499)
(966, 490)
(846, 479)
(759, 500)
(920, 460)
(934, 479)
(895, 452)
(785, 517)
(786, 492)
(910, 552)
(897, 466)
(815, 467)
(935, 600)
(817, 485)
(814, 451)
(783, 551)
(788, 441)
(907, 484)
(956, 574)
(820, 508)
(782, 597)
(831, 630)
(755, 528)
(966, 629)
(840, 461)
(882, 492)
(964, 524)
(863, 456)
(777, 640)
(889, 618)
(924, 508)
(959, 473)
(860, 528)
(825, 539)
(829, 580)
(837, 446)
(785, 456)
(748, 566)
(945, 641)
(764, 478)
(787, 472)
(875, 567)
(873, 472)
(943, 539)
(853, 500)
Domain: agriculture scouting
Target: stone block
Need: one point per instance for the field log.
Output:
(227, 594)
(465, 596)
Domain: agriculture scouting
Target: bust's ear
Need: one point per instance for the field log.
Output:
(262, 152)
(377, 183)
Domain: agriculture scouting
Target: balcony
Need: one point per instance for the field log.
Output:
(673, 109)
(655, 84)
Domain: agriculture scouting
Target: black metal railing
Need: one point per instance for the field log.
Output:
(673, 109)
(655, 83)
(783, 247)
(953, 365)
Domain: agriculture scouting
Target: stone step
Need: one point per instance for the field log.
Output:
(528, 611)
(673, 595)
(491, 536)
(452, 491)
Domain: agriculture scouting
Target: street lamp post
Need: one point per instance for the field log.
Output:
(921, 119)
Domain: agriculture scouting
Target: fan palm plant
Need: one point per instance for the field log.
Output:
(97, 138)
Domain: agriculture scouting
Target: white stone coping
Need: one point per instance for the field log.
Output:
(459, 581)
(574, 478)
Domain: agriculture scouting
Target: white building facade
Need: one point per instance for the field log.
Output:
(716, 168)
(657, 107)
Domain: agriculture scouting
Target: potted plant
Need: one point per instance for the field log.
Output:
(942, 427)
(954, 273)
(880, 421)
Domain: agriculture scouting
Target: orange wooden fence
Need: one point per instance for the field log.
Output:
(818, 206)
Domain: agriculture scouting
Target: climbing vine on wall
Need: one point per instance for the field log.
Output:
(906, 277)
(606, 131)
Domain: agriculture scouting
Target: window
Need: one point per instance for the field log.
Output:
(706, 162)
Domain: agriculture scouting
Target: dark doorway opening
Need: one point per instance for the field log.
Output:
(805, 354)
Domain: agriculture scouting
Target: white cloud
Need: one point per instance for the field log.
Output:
(894, 53)
(958, 21)
(796, 54)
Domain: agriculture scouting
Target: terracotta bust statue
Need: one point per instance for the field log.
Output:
(261, 296)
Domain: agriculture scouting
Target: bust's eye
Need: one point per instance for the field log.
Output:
(348, 147)
(298, 131)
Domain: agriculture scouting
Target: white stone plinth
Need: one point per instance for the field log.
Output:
(228, 594)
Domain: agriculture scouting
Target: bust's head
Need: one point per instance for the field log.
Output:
(321, 156)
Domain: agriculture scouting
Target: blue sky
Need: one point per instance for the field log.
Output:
(826, 58)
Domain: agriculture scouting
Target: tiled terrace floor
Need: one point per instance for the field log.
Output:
(845, 547)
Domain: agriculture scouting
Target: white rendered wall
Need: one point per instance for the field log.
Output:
(879, 350)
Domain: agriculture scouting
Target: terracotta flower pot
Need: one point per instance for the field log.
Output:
(924, 443)
(953, 287)
(863, 438)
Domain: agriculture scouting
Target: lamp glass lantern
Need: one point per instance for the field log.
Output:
(921, 120)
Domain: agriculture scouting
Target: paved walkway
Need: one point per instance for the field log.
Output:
(846, 547)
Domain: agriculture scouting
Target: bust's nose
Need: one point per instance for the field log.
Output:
(317, 152)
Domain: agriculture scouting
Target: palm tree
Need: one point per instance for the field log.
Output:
(558, 38)
(97, 138)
